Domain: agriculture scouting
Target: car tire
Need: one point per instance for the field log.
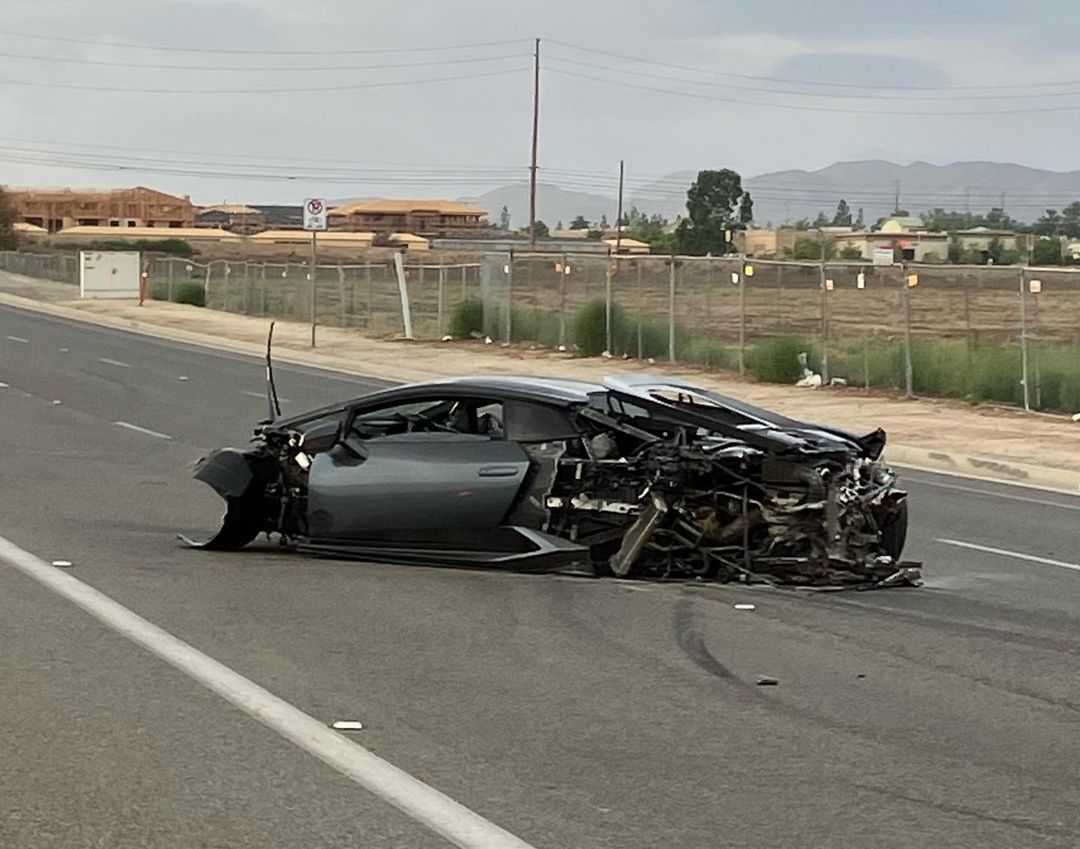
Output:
(894, 532)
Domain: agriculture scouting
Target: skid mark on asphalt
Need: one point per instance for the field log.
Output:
(693, 644)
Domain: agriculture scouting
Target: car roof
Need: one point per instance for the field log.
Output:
(541, 388)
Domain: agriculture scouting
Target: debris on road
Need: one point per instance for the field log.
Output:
(746, 607)
(62, 564)
(347, 725)
(766, 681)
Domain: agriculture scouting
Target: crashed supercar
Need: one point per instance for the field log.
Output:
(638, 476)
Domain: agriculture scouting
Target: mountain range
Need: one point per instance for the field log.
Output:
(786, 196)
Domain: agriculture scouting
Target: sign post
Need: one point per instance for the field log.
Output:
(315, 215)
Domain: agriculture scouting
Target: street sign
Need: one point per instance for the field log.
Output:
(883, 256)
(315, 214)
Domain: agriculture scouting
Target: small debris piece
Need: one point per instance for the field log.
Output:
(1076, 418)
(62, 564)
(861, 675)
(347, 725)
(766, 681)
(63, 350)
(183, 377)
(746, 607)
(448, 338)
(56, 403)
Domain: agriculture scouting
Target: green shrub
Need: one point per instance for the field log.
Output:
(777, 360)
(158, 290)
(589, 329)
(705, 352)
(533, 325)
(189, 293)
(175, 247)
(467, 318)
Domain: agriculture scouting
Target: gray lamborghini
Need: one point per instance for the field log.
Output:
(638, 476)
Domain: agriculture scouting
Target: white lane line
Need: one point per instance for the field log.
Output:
(1003, 552)
(435, 810)
(261, 395)
(109, 362)
(1041, 501)
(144, 430)
(18, 339)
(3, 386)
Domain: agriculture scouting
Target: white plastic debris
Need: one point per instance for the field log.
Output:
(746, 607)
(448, 338)
(1076, 418)
(487, 340)
(837, 381)
(562, 349)
(651, 361)
(183, 377)
(62, 564)
(348, 725)
(606, 355)
(809, 378)
(63, 350)
(56, 403)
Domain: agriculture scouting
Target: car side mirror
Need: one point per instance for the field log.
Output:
(322, 437)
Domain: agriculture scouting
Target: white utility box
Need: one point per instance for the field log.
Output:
(109, 274)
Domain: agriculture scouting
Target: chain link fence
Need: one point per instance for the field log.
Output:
(1006, 334)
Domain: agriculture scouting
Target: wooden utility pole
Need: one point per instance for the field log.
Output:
(535, 132)
(618, 217)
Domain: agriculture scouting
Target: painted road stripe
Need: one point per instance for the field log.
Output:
(109, 362)
(18, 339)
(261, 395)
(1040, 501)
(447, 818)
(144, 430)
(1002, 552)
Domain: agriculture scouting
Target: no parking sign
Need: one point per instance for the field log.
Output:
(315, 214)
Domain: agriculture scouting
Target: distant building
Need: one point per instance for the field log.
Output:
(303, 237)
(429, 218)
(88, 232)
(59, 209)
(626, 245)
(234, 217)
(906, 237)
(281, 216)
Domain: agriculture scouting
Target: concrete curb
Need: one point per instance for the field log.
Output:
(924, 459)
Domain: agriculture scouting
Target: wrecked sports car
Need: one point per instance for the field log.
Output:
(636, 477)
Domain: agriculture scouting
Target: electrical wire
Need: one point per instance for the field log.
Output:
(263, 52)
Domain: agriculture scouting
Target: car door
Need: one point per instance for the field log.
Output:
(413, 481)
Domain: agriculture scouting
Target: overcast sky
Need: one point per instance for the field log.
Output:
(466, 127)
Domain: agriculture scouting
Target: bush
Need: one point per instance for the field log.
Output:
(467, 318)
(533, 325)
(176, 247)
(589, 329)
(777, 360)
(189, 293)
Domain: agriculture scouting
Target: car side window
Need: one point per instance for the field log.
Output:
(430, 415)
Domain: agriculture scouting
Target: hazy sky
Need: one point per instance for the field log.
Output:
(634, 93)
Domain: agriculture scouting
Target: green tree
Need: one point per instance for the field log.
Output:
(1047, 251)
(843, 215)
(7, 222)
(956, 249)
(579, 223)
(603, 222)
(644, 228)
(995, 250)
(1049, 224)
(822, 220)
(558, 226)
(849, 252)
(1070, 220)
(541, 230)
(860, 221)
(711, 203)
(809, 248)
(504, 218)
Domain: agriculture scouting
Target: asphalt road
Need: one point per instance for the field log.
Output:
(572, 713)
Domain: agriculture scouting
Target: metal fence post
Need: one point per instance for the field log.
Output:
(367, 277)
(564, 274)
(824, 323)
(742, 323)
(262, 289)
(440, 306)
(671, 311)
(909, 375)
(1024, 383)
(168, 286)
(607, 306)
(509, 295)
(640, 311)
(341, 293)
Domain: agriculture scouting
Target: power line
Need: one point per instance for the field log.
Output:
(248, 52)
(819, 109)
(283, 90)
(290, 69)
(818, 83)
(726, 86)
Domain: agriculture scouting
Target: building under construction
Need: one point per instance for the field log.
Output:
(58, 209)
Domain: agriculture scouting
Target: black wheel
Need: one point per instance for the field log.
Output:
(894, 532)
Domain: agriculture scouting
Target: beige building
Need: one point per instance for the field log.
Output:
(234, 217)
(429, 218)
(626, 245)
(86, 233)
(60, 209)
(329, 238)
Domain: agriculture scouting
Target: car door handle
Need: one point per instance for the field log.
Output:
(498, 471)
